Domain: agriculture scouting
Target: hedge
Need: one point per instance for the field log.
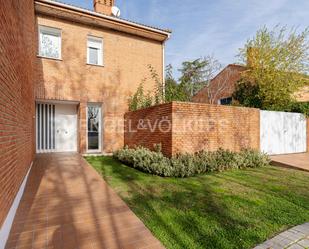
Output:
(185, 165)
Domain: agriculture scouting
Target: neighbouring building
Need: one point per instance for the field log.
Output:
(222, 87)
(66, 77)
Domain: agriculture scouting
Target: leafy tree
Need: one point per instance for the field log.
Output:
(300, 107)
(247, 94)
(173, 90)
(197, 74)
(277, 61)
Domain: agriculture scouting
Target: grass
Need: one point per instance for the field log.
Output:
(233, 209)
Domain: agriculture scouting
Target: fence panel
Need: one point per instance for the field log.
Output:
(282, 132)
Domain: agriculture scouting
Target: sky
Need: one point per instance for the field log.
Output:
(210, 27)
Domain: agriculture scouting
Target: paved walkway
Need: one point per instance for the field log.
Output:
(294, 238)
(297, 161)
(67, 205)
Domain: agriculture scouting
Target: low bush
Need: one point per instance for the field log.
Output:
(184, 165)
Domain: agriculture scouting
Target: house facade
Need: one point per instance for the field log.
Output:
(88, 65)
(66, 77)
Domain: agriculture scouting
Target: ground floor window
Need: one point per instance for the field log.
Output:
(94, 128)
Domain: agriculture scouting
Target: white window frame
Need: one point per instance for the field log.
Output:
(51, 31)
(97, 46)
(99, 150)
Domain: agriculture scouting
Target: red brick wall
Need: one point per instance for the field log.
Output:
(146, 127)
(16, 97)
(193, 127)
(210, 127)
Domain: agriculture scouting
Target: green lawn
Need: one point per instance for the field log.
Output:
(234, 209)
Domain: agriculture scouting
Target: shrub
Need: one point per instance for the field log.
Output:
(301, 107)
(184, 165)
(145, 160)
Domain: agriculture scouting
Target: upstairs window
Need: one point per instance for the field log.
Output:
(49, 42)
(225, 101)
(94, 51)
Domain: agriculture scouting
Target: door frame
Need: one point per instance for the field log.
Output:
(75, 149)
(54, 102)
(99, 150)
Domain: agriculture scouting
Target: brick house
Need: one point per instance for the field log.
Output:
(222, 87)
(66, 76)
(88, 65)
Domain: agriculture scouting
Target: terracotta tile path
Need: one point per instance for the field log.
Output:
(297, 161)
(68, 205)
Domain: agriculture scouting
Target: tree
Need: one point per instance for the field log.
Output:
(173, 90)
(277, 62)
(247, 94)
(197, 74)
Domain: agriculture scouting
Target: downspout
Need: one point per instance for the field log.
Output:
(163, 68)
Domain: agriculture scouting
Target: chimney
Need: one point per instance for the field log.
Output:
(103, 6)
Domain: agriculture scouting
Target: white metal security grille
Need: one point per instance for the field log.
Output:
(283, 132)
(45, 128)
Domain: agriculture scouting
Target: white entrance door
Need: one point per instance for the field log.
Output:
(66, 128)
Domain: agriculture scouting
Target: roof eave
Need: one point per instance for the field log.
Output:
(77, 14)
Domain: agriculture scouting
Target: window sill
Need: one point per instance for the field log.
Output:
(49, 58)
(96, 65)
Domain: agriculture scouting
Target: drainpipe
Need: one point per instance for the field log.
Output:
(163, 67)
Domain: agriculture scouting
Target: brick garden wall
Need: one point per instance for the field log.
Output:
(146, 128)
(210, 127)
(16, 97)
(191, 127)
